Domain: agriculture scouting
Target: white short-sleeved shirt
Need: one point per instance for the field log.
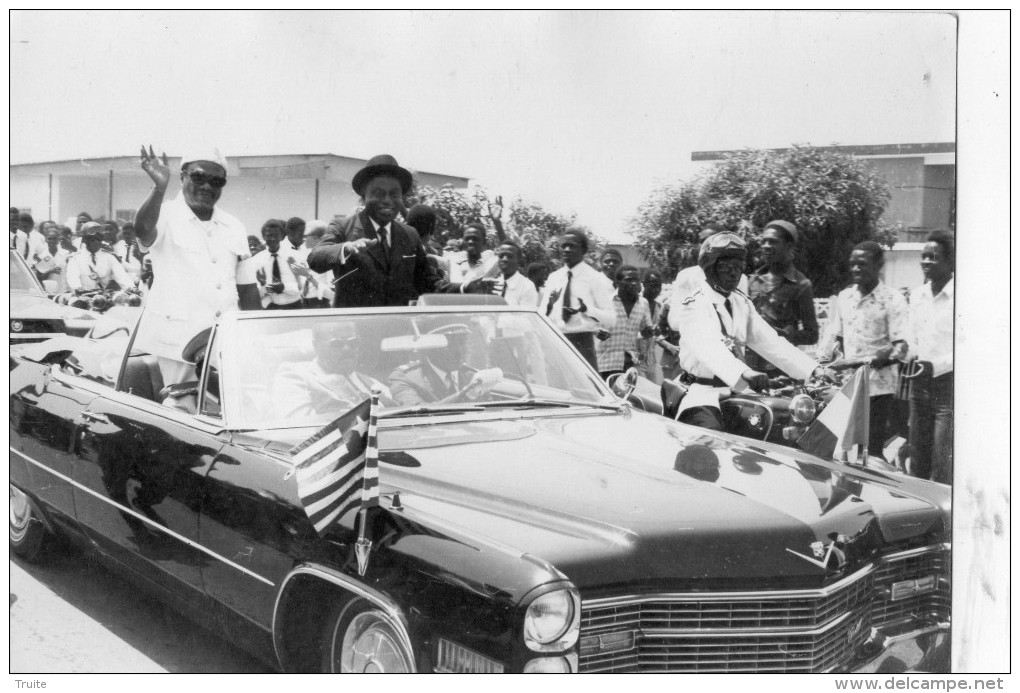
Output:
(196, 266)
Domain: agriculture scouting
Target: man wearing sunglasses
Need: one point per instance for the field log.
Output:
(198, 253)
(330, 383)
(718, 323)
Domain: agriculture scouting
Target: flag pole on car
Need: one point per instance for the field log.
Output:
(334, 464)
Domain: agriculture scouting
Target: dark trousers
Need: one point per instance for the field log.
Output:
(706, 417)
(931, 428)
(585, 343)
(879, 423)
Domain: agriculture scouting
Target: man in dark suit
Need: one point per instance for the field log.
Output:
(375, 259)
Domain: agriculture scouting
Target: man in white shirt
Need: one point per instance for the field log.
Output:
(470, 268)
(578, 299)
(94, 267)
(719, 322)
(516, 289)
(931, 343)
(277, 283)
(330, 383)
(50, 261)
(689, 279)
(19, 239)
(127, 251)
(318, 288)
(197, 252)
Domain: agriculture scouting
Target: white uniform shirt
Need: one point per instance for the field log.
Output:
(291, 289)
(127, 257)
(44, 258)
(688, 280)
(196, 266)
(931, 326)
(461, 272)
(520, 291)
(90, 271)
(587, 284)
(704, 352)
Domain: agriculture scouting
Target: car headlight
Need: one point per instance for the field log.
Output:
(552, 621)
(551, 665)
(17, 326)
(802, 408)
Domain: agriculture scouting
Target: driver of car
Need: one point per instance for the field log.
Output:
(442, 374)
(718, 323)
(330, 382)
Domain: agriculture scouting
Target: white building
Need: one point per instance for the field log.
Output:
(310, 186)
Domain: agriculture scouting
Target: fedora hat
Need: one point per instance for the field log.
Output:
(381, 165)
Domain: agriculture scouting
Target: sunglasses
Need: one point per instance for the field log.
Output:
(200, 178)
(343, 342)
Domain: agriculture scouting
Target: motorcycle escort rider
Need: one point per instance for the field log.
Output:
(719, 323)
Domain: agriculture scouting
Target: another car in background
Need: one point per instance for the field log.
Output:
(34, 316)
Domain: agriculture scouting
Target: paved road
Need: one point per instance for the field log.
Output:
(70, 614)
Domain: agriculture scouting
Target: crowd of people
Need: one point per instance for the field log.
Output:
(717, 328)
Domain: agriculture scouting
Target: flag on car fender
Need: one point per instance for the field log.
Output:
(338, 467)
(844, 421)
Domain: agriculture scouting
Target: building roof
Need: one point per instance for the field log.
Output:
(274, 166)
(863, 150)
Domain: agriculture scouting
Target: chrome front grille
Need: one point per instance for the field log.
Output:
(913, 565)
(780, 631)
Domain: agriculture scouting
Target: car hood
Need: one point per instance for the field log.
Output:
(614, 499)
(42, 308)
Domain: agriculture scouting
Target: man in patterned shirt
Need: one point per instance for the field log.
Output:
(633, 320)
(868, 320)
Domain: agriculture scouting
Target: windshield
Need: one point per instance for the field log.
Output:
(308, 370)
(22, 281)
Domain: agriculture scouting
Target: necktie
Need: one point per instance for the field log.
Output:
(567, 297)
(127, 252)
(503, 292)
(452, 379)
(383, 238)
(276, 269)
(729, 307)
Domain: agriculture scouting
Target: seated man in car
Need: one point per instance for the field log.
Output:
(329, 383)
(442, 374)
(718, 323)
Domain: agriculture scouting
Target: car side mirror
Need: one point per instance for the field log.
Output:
(623, 384)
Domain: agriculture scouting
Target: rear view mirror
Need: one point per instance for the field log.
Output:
(412, 342)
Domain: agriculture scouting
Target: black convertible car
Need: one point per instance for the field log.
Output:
(534, 523)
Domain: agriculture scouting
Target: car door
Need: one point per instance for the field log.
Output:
(47, 402)
(139, 468)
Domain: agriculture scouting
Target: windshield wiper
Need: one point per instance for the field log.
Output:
(551, 403)
(430, 409)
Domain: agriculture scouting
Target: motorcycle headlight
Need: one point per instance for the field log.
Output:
(802, 409)
(552, 618)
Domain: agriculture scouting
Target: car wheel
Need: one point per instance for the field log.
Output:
(28, 535)
(359, 638)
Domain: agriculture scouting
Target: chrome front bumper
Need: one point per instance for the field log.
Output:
(924, 650)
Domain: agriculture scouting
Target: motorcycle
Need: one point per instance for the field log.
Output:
(101, 300)
(782, 413)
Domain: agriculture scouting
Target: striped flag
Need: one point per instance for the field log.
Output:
(844, 421)
(335, 464)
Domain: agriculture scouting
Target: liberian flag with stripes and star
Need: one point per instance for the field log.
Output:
(338, 467)
(844, 421)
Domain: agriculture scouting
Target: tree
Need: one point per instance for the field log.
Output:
(525, 222)
(834, 199)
